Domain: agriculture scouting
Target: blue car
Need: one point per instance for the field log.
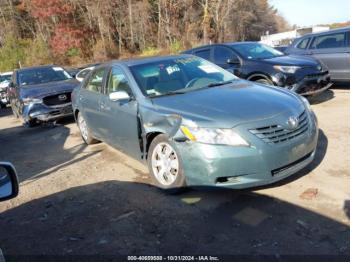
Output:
(195, 124)
(41, 94)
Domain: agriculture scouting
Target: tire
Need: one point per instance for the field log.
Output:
(85, 132)
(264, 81)
(30, 123)
(163, 155)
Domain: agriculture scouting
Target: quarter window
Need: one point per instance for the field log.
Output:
(303, 43)
(117, 81)
(205, 53)
(329, 41)
(95, 82)
(222, 54)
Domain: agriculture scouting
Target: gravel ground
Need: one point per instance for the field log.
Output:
(77, 199)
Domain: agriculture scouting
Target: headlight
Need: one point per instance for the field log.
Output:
(214, 136)
(306, 103)
(29, 100)
(287, 69)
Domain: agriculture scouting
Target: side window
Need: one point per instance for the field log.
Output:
(329, 41)
(95, 81)
(222, 54)
(84, 73)
(303, 43)
(117, 81)
(204, 53)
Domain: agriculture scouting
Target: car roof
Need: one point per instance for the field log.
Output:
(223, 44)
(23, 69)
(6, 73)
(337, 30)
(144, 60)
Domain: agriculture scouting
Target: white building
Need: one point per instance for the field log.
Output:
(286, 38)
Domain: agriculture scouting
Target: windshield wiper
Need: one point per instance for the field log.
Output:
(171, 93)
(219, 83)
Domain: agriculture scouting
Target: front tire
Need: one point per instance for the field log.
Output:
(85, 131)
(165, 165)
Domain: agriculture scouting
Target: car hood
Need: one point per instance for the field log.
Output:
(292, 61)
(42, 90)
(230, 105)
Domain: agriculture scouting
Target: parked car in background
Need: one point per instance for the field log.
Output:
(195, 123)
(332, 48)
(5, 79)
(260, 63)
(281, 48)
(41, 94)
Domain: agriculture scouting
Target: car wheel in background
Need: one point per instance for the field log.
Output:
(85, 131)
(264, 81)
(165, 165)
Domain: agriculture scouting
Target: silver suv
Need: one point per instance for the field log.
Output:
(332, 48)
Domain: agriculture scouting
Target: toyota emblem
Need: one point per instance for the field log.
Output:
(293, 122)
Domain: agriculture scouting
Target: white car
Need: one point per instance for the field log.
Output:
(83, 73)
(5, 79)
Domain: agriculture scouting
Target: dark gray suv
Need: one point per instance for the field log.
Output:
(332, 48)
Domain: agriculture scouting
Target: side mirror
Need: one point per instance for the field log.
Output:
(8, 181)
(233, 61)
(119, 95)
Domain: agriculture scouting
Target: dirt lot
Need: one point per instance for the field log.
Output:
(76, 199)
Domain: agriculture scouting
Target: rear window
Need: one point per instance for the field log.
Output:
(329, 41)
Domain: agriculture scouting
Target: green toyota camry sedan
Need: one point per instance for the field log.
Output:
(195, 124)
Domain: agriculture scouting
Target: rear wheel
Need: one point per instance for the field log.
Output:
(85, 131)
(165, 165)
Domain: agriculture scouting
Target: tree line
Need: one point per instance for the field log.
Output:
(80, 31)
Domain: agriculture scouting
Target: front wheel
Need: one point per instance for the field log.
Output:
(85, 131)
(165, 165)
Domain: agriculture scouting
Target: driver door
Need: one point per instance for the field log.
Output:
(119, 118)
(221, 55)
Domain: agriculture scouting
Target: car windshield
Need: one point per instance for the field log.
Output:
(5, 78)
(256, 51)
(179, 75)
(42, 75)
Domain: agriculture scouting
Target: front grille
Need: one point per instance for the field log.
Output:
(312, 76)
(275, 134)
(284, 168)
(58, 99)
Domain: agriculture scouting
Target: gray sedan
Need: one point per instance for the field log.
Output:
(196, 124)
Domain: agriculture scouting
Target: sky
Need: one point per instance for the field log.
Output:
(313, 12)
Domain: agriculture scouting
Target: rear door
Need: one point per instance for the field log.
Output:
(332, 50)
(119, 119)
(90, 96)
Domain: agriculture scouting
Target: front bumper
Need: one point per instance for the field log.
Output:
(43, 113)
(310, 84)
(245, 167)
